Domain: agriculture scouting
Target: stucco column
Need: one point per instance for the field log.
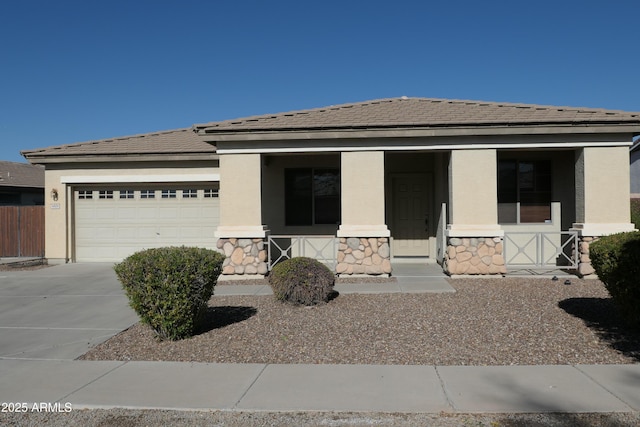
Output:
(57, 239)
(364, 236)
(241, 235)
(474, 237)
(602, 197)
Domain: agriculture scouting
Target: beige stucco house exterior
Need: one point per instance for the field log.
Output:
(463, 183)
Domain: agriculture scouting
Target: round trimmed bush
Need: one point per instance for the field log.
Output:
(302, 281)
(616, 260)
(169, 288)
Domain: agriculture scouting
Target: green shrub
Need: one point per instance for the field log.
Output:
(169, 288)
(635, 212)
(616, 259)
(302, 280)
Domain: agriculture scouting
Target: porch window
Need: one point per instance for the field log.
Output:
(312, 196)
(524, 191)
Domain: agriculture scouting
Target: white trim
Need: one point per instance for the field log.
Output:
(241, 231)
(104, 179)
(474, 230)
(340, 148)
(363, 231)
(601, 229)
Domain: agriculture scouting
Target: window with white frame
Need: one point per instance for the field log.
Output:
(126, 194)
(168, 194)
(210, 192)
(105, 194)
(189, 194)
(147, 194)
(85, 194)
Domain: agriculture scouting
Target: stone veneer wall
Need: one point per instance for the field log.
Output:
(585, 269)
(244, 256)
(361, 255)
(471, 255)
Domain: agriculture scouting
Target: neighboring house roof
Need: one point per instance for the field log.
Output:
(178, 141)
(14, 174)
(420, 112)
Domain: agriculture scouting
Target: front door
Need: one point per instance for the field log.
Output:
(411, 209)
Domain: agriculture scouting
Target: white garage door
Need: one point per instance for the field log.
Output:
(113, 223)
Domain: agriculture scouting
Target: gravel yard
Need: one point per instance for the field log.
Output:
(512, 321)
(144, 418)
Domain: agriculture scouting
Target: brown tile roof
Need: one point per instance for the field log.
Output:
(14, 174)
(377, 114)
(179, 141)
(420, 112)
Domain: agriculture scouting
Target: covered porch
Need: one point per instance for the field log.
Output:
(470, 211)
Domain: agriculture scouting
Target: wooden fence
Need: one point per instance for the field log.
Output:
(21, 231)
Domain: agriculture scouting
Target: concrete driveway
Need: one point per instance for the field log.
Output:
(61, 311)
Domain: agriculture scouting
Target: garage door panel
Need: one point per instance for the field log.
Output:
(147, 212)
(165, 213)
(112, 229)
(125, 213)
(107, 213)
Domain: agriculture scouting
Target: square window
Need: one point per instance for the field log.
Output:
(312, 196)
(210, 192)
(84, 194)
(147, 194)
(105, 194)
(189, 194)
(168, 194)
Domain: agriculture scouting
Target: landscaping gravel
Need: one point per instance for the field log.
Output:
(144, 418)
(507, 321)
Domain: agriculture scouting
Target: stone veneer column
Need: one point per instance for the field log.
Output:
(473, 255)
(244, 256)
(364, 236)
(474, 237)
(241, 235)
(585, 269)
(364, 256)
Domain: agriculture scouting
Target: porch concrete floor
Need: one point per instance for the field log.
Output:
(419, 277)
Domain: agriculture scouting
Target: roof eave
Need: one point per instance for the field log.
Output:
(209, 135)
(103, 158)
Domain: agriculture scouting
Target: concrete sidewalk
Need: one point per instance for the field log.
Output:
(348, 388)
(50, 316)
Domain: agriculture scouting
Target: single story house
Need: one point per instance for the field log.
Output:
(479, 187)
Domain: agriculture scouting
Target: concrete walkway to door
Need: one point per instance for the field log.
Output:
(414, 277)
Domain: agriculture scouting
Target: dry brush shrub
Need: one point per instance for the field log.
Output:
(302, 280)
(169, 288)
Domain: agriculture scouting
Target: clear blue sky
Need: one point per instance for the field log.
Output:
(73, 71)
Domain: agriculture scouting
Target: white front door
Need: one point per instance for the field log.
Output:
(411, 209)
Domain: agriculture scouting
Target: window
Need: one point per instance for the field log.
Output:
(189, 194)
(524, 191)
(168, 194)
(147, 194)
(210, 192)
(83, 194)
(126, 194)
(312, 196)
(105, 194)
